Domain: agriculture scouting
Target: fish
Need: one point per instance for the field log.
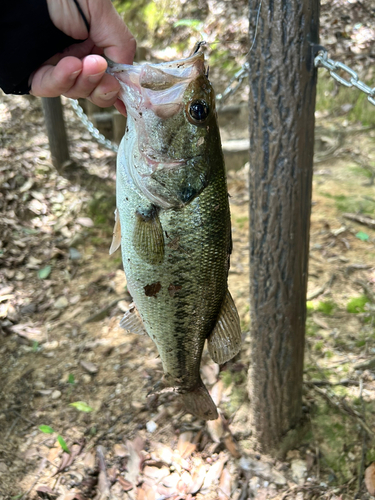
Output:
(172, 222)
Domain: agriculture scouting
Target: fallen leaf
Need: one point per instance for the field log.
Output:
(370, 478)
(198, 476)
(224, 489)
(120, 450)
(126, 485)
(89, 367)
(214, 472)
(184, 446)
(216, 429)
(44, 272)
(85, 221)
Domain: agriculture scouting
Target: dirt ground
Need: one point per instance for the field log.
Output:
(70, 378)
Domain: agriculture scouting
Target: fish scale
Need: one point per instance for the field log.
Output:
(175, 231)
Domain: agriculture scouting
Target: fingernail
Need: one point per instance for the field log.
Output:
(74, 75)
(95, 78)
(109, 95)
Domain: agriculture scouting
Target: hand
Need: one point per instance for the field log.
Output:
(80, 70)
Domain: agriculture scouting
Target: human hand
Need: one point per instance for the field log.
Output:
(79, 71)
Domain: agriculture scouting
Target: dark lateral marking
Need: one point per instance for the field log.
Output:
(173, 289)
(153, 289)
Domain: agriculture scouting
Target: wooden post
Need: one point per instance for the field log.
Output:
(53, 115)
(282, 104)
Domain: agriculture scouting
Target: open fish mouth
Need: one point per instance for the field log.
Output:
(159, 87)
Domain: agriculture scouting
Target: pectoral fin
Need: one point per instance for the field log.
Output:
(132, 321)
(225, 340)
(148, 236)
(116, 240)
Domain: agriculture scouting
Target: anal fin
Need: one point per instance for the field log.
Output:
(116, 240)
(132, 321)
(148, 236)
(225, 339)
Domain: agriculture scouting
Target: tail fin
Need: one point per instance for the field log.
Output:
(197, 401)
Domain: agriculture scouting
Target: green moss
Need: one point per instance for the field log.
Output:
(241, 221)
(310, 307)
(101, 210)
(318, 347)
(335, 434)
(326, 307)
(226, 377)
(357, 304)
(311, 328)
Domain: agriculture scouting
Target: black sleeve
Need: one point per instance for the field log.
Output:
(28, 38)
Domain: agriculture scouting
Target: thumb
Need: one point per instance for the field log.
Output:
(109, 32)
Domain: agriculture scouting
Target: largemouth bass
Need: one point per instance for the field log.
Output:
(173, 223)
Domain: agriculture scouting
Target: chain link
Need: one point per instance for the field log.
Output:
(322, 60)
(90, 127)
(234, 84)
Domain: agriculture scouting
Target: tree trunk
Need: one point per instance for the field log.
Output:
(58, 144)
(282, 104)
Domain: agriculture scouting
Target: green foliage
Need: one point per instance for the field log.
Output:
(326, 307)
(46, 429)
(318, 347)
(357, 304)
(195, 24)
(362, 236)
(71, 379)
(81, 406)
(328, 100)
(63, 444)
(44, 272)
(310, 307)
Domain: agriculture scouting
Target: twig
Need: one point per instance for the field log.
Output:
(102, 313)
(367, 290)
(319, 291)
(38, 474)
(364, 439)
(344, 408)
(11, 428)
(362, 219)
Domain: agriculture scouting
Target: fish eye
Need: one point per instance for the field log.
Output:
(199, 111)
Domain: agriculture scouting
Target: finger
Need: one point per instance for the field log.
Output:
(109, 32)
(106, 92)
(52, 81)
(93, 70)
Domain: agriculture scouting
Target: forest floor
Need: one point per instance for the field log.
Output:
(71, 378)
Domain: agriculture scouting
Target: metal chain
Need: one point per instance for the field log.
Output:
(323, 60)
(234, 84)
(90, 127)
